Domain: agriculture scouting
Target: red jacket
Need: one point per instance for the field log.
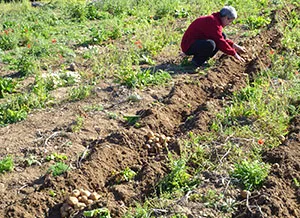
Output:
(207, 27)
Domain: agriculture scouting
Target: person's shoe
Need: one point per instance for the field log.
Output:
(195, 63)
(204, 65)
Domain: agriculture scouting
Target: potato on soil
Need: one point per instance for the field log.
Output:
(89, 201)
(162, 138)
(72, 200)
(85, 192)
(75, 193)
(83, 199)
(94, 196)
(245, 194)
(79, 206)
(150, 135)
(147, 146)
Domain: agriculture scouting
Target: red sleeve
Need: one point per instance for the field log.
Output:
(230, 42)
(224, 45)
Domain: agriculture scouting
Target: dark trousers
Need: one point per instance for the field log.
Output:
(203, 50)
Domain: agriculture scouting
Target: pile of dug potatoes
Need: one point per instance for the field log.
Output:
(78, 200)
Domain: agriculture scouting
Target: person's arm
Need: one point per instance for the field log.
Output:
(222, 44)
(239, 48)
(238, 57)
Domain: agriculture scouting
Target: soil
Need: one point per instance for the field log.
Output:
(111, 144)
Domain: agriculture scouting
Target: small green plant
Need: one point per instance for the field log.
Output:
(211, 198)
(58, 168)
(126, 175)
(26, 65)
(7, 85)
(77, 124)
(296, 182)
(112, 115)
(56, 157)
(80, 92)
(140, 79)
(139, 211)
(132, 119)
(31, 160)
(178, 179)
(256, 22)
(251, 174)
(6, 164)
(182, 13)
(96, 107)
(99, 212)
(52, 193)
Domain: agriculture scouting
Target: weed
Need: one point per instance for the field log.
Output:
(256, 22)
(93, 108)
(296, 182)
(7, 85)
(126, 175)
(99, 212)
(26, 65)
(58, 168)
(251, 174)
(140, 211)
(77, 124)
(178, 179)
(211, 198)
(31, 160)
(182, 13)
(112, 115)
(140, 79)
(6, 164)
(80, 92)
(131, 119)
(52, 193)
(56, 157)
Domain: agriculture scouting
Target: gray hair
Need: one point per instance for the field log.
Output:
(228, 11)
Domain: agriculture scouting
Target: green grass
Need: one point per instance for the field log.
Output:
(123, 41)
(251, 174)
(6, 164)
(58, 168)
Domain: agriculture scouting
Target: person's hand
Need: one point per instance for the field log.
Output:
(239, 48)
(239, 57)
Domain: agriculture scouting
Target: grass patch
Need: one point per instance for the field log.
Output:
(6, 164)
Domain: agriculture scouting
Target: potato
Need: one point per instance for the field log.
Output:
(156, 135)
(85, 192)
(245, 193)
(162, 138)
(150, 134)
(168, 138)
(84, 199)
(95, 196)
(156, 139)
(75, 193)
(147, 146)
(157, 145)
(150, 141)
(72, 200)
(90, 201)
(79, 206)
